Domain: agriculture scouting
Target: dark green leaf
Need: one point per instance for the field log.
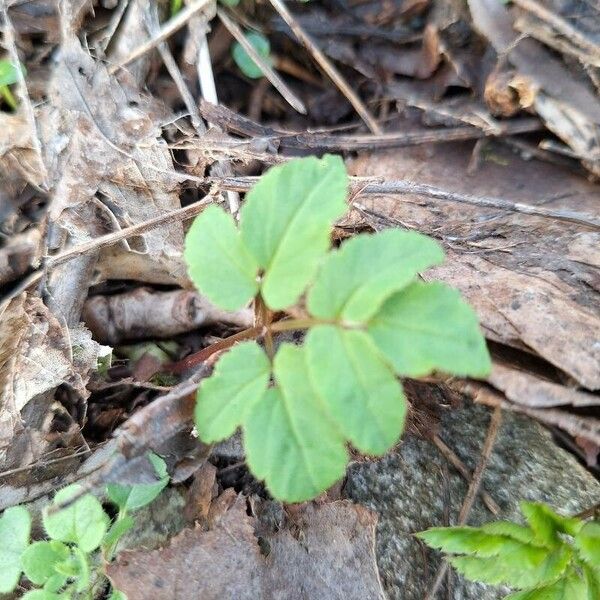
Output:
(289, 440)
(427, 327)
(286, 222)
(243, 60)
(218, 262)
(355, 280)
(360, 391)
(240, 379)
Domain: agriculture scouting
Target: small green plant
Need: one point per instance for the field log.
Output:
(368, 319)
(243, 60)
(551, 558)
(82, 538)
(9, 74)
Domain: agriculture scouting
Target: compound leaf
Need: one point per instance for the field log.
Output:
(40, 558)
(133, 497)
(426, 327)
(360, 391)
(15, 526)
(286, 221)
(218, 262)
(355, 280)
(240, 378)
(243, 60)
(587, 542)
(289, 441)
(83, 523)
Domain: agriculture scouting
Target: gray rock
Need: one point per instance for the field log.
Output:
(414, 488)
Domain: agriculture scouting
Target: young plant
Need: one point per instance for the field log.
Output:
(68, 565)
(551, 558)
(368, 321)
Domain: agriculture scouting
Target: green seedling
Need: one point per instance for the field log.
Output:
(551, 558)
(69, 565)
(367, 317)
(9, 74)
(243, 60)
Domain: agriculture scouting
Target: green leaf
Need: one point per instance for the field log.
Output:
(286, 222)
(356, 279)
(587, 542)
(547, 524)
(42, 595)
(15, 526)
(527, 566)
(9, 73)
(242, 59)
(117, 595)
(360, 391)
(592, 578)
(40, 558)
(117, 530)
(83, 570)
(218, 262)
(240, 379)
(289, 440)
(512, 530)
(133, 497)
(83, 523)
(55, 582)
(426, 327)
(472, 540)
(570, 587)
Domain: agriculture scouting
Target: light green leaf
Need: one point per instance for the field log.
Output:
(55, 582)
(42, 595)
(355, 280)
(357, 387)
(240, 379)
(117, 530)
(546, 524)
(512, 530)
(570, 587)
(83, 523)
(587, 542)
(15, 526)
(592, 578)
(286, 222)
(528, 566)
(289, 440)
(133, 497)
(473, 540)
(40, 558)
(427, 327)
(218, 262)
(242, 59)
(9, 74)
(117, 595)
(83, 569)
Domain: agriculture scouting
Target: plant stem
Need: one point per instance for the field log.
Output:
(291, 324)
(8, 96)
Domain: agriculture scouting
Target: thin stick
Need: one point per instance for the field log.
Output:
(265, 67)
(460, 466)
(170, 27)
(327, 66)
(486, 452)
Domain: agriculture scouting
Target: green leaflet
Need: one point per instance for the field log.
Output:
(358, 388)
(240, 379)
(354, 281)
(547, 524)
(83, 523)
(133, 497)
(523, 568)
(218, 262)
(40, 559)
(427, 327)
(569, 587)
(587, 542)
(512, 530)
(242, 59)
(15, 526)
(286, 221)
(9, 73)
(290, 442)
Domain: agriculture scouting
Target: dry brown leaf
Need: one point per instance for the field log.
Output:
(328, 554)
(515, 269)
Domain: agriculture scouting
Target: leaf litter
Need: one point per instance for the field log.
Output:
(110, 149)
